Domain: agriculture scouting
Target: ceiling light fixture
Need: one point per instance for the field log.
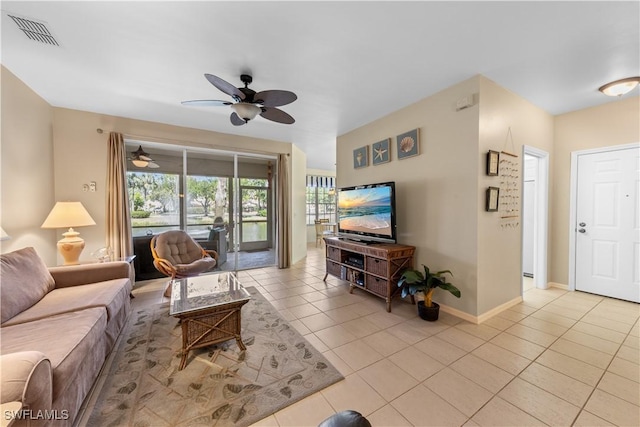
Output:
(141, 159)
(620, 87)
(246, 111)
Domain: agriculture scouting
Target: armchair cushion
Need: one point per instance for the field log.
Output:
(177, 247)
(177, 255)
(196, 267)
(25, 281)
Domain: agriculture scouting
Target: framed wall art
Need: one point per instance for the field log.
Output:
(361, 157)
(493, 159)
(408, 144)
(380, 152)
(493, 194)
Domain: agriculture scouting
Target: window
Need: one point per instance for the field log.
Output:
(155, 202)
(206, 204)
(321, 203)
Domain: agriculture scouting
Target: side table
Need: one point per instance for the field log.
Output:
(209, 308)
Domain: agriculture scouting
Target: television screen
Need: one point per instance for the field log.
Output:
(367, 212)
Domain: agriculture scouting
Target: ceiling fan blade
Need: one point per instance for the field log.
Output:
(225, 86)
(153, 165)
(277, 115)
(206, 103)
(274, 98)
(145, 158)
(236, 120)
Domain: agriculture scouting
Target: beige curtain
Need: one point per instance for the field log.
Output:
(283, 222)
(118, 217)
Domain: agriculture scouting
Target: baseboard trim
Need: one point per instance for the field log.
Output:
(461, 314)
(558, 285)
(484, 316)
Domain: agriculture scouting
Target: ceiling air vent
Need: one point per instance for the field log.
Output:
(36, 31)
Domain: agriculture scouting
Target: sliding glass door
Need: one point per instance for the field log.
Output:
(255, 215)
(223, 200)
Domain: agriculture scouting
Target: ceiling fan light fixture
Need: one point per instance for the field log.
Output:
(141, 159)
(620, 87)
(246, 111)
(140, 163)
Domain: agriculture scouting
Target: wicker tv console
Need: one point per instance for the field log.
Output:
(374, 268)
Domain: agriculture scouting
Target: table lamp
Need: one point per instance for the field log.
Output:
(69, 214)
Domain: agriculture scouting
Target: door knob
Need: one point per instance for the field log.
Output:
(582, 224)
(581, 230)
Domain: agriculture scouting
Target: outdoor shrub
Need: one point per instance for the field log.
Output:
(140, 214)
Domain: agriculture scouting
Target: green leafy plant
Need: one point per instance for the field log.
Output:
(140, 214)
(413, 281)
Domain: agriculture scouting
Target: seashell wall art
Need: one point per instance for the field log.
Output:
(408, 144)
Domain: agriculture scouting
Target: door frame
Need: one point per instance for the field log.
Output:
(541, 218)
(573, 201)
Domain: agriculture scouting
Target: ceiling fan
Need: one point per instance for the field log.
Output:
(249, 103)
(141, 159)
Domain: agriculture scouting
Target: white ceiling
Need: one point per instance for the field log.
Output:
(349, 62)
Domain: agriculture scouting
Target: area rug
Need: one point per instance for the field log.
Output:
(221, 385)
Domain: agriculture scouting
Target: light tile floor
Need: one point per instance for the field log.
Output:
(558, 358)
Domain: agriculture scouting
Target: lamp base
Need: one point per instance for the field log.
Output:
(70, 247)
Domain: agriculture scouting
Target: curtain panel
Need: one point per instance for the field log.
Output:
(118, 229)
(283, 220)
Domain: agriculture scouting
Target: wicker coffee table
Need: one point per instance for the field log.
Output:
(209, 308)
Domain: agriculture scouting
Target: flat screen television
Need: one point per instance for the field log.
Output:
(368, 212)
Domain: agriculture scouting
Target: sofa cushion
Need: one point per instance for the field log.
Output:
(73, 342)
(110, 294)
(25, 280)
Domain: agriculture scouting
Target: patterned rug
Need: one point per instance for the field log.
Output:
(221, 385)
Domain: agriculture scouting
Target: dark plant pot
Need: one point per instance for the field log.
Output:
(428, 313)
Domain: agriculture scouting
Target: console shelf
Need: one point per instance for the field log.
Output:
(375, 268)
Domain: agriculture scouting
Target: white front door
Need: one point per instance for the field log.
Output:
(608, 225)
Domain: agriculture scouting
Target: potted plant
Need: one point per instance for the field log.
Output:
(413, 281)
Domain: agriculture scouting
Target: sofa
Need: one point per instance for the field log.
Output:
(57, 327)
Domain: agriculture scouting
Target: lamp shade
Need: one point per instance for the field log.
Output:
(68, 214)
(3, 234)
(246, 111)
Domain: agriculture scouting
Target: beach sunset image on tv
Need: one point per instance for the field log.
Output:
(366, 210)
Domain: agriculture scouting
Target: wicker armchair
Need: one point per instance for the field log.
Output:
(177, 255)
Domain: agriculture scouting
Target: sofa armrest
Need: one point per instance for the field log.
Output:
(26, 378)
(74, 275)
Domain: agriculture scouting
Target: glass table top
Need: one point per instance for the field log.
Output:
(206, 291)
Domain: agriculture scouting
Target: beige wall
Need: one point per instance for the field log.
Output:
(298, 204)
(48, 154)
(441, 192)
(437, 197)
(500, 249)
(614, 123)
(26, 168)
(80, 154)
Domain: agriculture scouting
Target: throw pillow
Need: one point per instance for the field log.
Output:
(25, 281)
